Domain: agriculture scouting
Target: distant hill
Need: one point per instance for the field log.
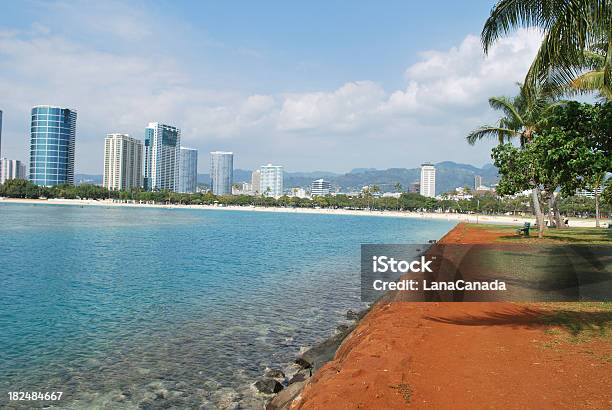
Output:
(362, 170)
(449, 175)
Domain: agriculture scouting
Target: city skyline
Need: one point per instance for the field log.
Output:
(353, 95)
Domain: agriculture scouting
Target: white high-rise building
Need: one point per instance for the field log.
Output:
(0, 133)
(162, 156)
(477, 182)
(256, 182)
(188, 170)
(122, 162)
(11, 169)
(271, 180)
(428, 180)
(320, 187)
(221, 172)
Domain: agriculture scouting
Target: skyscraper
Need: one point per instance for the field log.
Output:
(188, 170)
(122, 162)
(162, 156)
(256, 182)
(221, 172)
(320, 187)
(0, 133)
(52, 144)
(428, 180)
(271, 180)
(477, 182)
(11, 169)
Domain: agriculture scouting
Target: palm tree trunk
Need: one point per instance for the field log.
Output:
(535, 197)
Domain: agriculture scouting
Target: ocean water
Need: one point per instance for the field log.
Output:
(161, 308)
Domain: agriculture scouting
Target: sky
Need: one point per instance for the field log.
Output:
(317, 85)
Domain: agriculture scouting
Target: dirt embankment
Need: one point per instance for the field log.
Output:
(463, 355)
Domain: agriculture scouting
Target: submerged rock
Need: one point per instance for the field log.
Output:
(352, 315)
(303, 363)
(283, 399)
(342, 328)
(300, 376)
(268, 386)
(274, 374)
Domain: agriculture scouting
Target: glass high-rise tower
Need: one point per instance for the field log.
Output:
(221, 172)
(188, 170)
(52, 144)
(162, 157)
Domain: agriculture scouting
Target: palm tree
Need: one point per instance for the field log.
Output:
(523, 115)
(522, 118)
(592, 77)
(571, 28)
(398, 189)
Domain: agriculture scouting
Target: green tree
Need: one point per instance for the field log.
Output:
(20, 188)
(576, 140)
(523, 117)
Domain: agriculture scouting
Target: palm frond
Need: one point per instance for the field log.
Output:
(508, 15)
(491, 132)
(507, 106)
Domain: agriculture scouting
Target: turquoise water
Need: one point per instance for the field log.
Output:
(155, 308)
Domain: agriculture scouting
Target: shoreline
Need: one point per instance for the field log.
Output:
(386, 360)
(318, 355)
(469, 218)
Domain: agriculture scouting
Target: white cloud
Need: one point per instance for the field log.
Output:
(443, 87)
(359, 123)
(346, 109)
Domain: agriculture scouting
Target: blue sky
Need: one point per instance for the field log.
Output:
(309, 85)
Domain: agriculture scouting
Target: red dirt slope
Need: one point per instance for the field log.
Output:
(459, 356)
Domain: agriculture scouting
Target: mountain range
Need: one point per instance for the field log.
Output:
(449, 175)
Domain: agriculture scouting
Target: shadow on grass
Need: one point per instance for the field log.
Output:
(569, 235)
(596, 323)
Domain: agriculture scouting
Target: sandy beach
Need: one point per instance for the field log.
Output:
(469, 218)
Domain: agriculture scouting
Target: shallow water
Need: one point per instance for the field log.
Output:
(154, 308)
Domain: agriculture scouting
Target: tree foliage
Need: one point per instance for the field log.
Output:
(572, 29)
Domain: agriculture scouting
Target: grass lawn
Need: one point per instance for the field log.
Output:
(595, 236)
(569, 322)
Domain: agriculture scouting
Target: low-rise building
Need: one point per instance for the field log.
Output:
(320, 187)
